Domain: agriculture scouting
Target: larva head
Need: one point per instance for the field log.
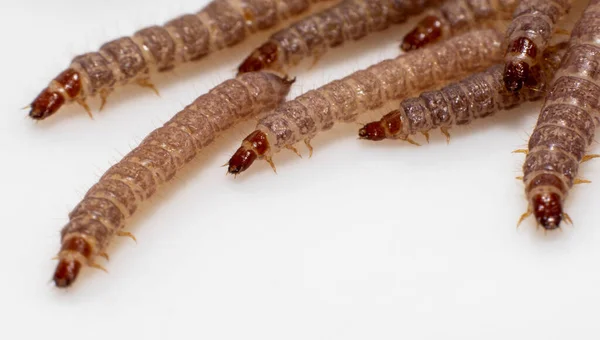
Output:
(73, 250)
(515, 75)
(262, 58)
(427, 31)
(254, 146)
(48, 102)
(547, 209)
(389, 126)
(372, 131)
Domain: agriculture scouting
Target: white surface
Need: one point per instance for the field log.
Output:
(362, 241)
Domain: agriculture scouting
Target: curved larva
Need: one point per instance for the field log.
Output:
(314, 35)
(221, 24)
(528, 35)
(103, 211)
(342, 100)
(454, 17)
(478, 96)
(565, 127)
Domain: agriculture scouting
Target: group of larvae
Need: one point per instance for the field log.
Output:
(472, 58)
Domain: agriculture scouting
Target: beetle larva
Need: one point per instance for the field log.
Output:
(454, 17)
(565, 127)
(478, 96)
(102, 212)
(528, 36)
(342, 100)
(314, 35)
(221, 24)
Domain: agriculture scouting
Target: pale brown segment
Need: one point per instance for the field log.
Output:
(221, 24)
(454, 17)
(314, 35)
(567, 122)
(528, 36)
(342, 100)
(478, 96)
(103, 211)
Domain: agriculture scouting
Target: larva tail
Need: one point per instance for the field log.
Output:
(66, 86)
(254, 146)
(263, 58)
(74, 252)
(427, 31)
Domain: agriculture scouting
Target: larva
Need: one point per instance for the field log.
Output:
(103, 211)
(314, 35)
(454, 17)
(342, 100)
(221, 24)
(565, 127)
(477, 96)
(528, 36)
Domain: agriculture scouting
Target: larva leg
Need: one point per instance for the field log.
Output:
(127, 234)
(102, 213)
(566, 124)
(528, 36)
(343, 100)
(589, 157)
(446, 133)
(294, 150)
(310, 148)
(456, 16)
(524, 151)
(148, 84)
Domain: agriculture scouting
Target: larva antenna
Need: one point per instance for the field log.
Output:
(132, 60)
(453, 17)
(528, 36)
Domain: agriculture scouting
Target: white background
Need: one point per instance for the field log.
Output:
(363, 240)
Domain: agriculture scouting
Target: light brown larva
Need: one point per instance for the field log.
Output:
(342, 100)
(454, 17)
(221, 24)
(528, 36)
(566, 125)
(314, 35)
(106, 206)
(478, 96)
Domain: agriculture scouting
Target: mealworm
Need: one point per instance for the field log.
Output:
(565, 127)
(478, 96)
(342, 100)
(314, 35)
(528, 36)
(456, 16)
(102, 212)
(221, 24)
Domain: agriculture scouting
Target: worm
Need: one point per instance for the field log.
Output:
(454, 17)
(528, 36)
(221, 24)
(342, 100)
(477, 96)
(103, 211)
(566, 124)
(314, 35)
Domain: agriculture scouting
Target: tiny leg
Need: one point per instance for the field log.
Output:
(524, 216)
(444, 130)
(270, 161)
(294, 150)
(310, 148)
(146, 83)
(524, 151)
(85, 107)
(589, 157)
(426, 134)
(127, 234)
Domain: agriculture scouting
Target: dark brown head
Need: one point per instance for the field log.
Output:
(372, 131)
(66, 272)
(428, 31)
(515, 75)
(262, 58)
(46, 104)
(241, 160)
(547, 208)
(68, 267)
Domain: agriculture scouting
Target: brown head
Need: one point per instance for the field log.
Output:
(262, 58)
(389, 126)
(517, 71)
(547, 209)
(372, 131)
(49, 101)
(69, 265)
(428, 30)
(254, 146)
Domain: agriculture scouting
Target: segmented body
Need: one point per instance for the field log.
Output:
(456, 16)
(478, 96)
(221, 24)
(342, 100)
(106, 206)
(528, 35)
(314, 35)
(567, 123)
